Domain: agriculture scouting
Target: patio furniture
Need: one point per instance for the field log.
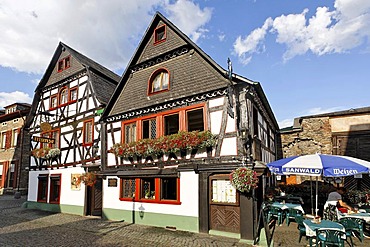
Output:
(330, 237)
(312, 226)
(355, 226)
(331, 213)
(291, 213)
(300, 226)
(275, 212)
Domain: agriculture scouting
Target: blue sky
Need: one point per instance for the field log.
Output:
(310, 56)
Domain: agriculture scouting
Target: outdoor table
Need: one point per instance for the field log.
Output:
(284, 206)
(364, 216)
(311, 227)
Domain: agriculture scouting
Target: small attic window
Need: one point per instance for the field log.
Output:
(159, 81)
(160, 34)
(64, 63)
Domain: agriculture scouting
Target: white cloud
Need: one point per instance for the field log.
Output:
(107, 32)
(285, 123)
(191, 21)
(337, 31)
(14, 97)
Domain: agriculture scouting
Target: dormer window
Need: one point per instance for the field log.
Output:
(159, 81)
(64, 63)
(160, 34)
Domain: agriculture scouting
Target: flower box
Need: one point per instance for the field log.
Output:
(244, 179)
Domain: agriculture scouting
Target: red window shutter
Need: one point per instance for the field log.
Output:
(8, 142)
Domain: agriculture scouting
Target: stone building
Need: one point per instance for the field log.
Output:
(13, 176)
(339, 133)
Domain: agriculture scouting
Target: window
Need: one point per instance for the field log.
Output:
(64, 63)
(171, 124)
(73, 94)
(160, 34)
(88, 132)
(54, 189)
(15, 137)
(42, 191)
(159, 81)
(195, 120)
(130, 132)
(53, 101)
(3, 139)
(63, 96)
(1, 173)
(54, 134)
(128, 188)
(169, 188)
(149, 129)
(154, 190)
(147, 188)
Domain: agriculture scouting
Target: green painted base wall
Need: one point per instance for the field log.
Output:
(58, 208)
(184, 223)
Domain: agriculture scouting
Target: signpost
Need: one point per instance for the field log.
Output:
(43, 140)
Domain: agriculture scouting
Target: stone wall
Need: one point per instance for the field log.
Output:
(313, 137)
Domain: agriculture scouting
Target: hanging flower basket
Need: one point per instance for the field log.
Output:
(244, 179)
(88, 178)
(46, 153)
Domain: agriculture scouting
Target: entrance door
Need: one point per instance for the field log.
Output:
(224, 205)
(95, 198)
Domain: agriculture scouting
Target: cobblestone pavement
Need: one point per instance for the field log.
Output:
(27, 227)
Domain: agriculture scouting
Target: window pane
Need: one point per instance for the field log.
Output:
(195, 120)
(171, 124)
(128, 188)
(42, 188)
(147, 188)
(160, 81)
(73, 94)
(150, 129)
(169, 188)
(64, 96)
(88, 132)
(130, 133)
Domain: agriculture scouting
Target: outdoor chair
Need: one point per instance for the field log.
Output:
(300, 226)
(353, 226)
(291, 213)
(330, 237)
(275, 212)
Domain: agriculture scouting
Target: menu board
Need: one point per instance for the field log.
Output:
(223, 191)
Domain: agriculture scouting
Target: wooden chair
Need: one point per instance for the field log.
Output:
(330, 237)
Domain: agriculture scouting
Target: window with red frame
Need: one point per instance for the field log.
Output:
(160, 34)
(159, 81)
(64, 64)
(73, 94)
(156, 190)
(53, 101)
(53, 134)
(63, 96)
(171, 124)
(42, 188)
(88, 132)
(54, 188)
(129, 132)
(149, 128)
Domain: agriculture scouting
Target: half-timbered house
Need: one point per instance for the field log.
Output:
(175, 127)
(65, 134)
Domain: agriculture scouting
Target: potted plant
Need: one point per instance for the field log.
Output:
(88, 178)
(46, 153)
(244, 179)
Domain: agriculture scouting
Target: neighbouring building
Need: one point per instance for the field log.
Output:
(13, 145)
(65, 133)
(339, 133)
(171, 95)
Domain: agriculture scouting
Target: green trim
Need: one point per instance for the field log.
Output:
(225, 234)
(179, 222)
(58, 208)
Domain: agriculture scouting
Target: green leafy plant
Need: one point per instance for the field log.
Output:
(244, 179)
(166, 144)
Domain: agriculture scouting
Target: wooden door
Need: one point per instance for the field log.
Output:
(224, 205)
(95, 199)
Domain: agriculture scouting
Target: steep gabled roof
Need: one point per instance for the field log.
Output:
(137, 59)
